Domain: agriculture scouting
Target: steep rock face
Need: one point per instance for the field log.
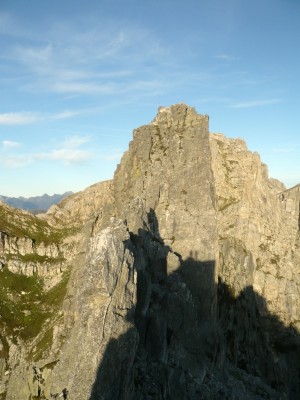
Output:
(258, 225)
(43, 248)
(167, 174)
(172, 243)
(144, 316)
(33, 270)
(164, 189)
(100, 297)
(168, 167)
(30, 246)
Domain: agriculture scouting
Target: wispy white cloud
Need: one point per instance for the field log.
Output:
(9, 144)
(70, 87)
(94, 60)
(26, 118)
(70, 152)
(10, 27)
(37, 57)
(65, 114)
(283, 150)
(255, 103)
(15, 161)
(68, 156)
(76, 141)
(226, 57)
(116, 154)
(19, 118)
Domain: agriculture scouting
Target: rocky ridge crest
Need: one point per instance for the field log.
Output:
(184, 278)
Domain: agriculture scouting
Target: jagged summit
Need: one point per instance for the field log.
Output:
(178, 113)
(181, 278)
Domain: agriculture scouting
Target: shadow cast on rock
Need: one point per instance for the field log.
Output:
(258, 342)
(196, 340)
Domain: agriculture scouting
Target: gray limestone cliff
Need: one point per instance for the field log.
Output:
(178, 279)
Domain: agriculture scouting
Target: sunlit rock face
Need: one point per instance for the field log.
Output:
(179, 278)
(168, 167)
(258, 226)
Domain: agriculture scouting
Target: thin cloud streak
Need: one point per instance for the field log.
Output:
(64, 115)
(67, 156)
(283, 150)
(15, 161)
(19, 118)
(94, 62)
(10, 27)
(8, 144)
(76, 141)
(255, 103)
(115, 155)
(26, 118)
(70, 153)
(226, 57)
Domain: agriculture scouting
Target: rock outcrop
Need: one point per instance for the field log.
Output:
(257, 217)
(80, 207)
(30, 246)
(181, 282)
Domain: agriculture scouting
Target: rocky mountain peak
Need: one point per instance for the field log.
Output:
(176, 115)
(182, 276)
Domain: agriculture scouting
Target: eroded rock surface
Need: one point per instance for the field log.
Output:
(184, 278)
(258, 226)
(80, 207)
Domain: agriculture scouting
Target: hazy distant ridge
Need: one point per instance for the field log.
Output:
(34, 203)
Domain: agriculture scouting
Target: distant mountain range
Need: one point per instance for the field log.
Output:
(34, 204)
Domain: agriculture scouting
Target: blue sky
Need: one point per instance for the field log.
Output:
(76, 77)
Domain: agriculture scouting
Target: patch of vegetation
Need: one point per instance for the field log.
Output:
(54, 297)
(35, 258)
(20, 299)
(223, 202)
(21, 224)
(42, 345)
(5, 347)
(25, 306)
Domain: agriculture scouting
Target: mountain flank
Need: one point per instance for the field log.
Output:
(34, 204)
(178, 279)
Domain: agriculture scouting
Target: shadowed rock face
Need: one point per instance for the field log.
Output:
(186, 280)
